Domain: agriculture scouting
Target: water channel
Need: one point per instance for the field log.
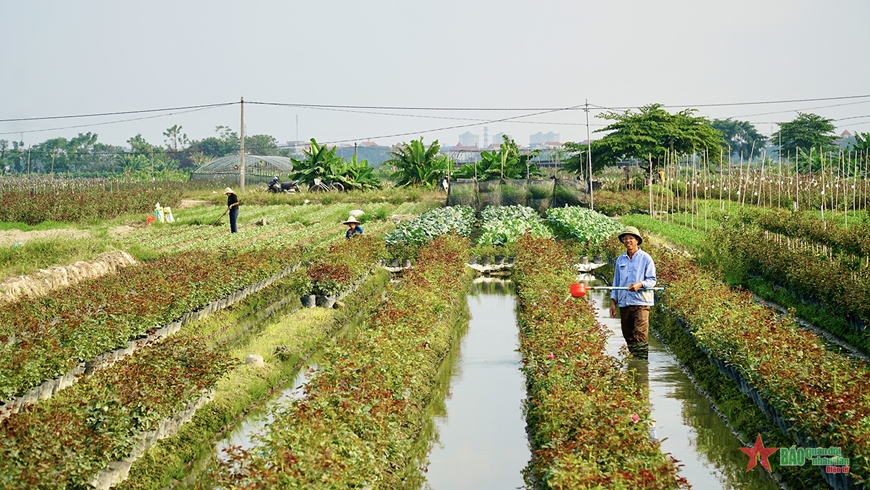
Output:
(685, 422)
(481, 439)
(482, 436)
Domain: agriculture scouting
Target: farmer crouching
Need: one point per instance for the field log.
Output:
(353, 228)
(634, 270)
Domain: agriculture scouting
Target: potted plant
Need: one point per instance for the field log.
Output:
(327, 281)
(301, 284)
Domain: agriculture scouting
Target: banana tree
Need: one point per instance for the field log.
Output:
(505, 163)
(418, 165)
(319, 162)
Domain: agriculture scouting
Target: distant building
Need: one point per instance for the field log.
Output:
(467, 139)
(498, 139)
(845, 134)
(540, 139)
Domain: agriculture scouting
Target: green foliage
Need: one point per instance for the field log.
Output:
(805, 131)
(321, 163)
(582, 224)
(418, 165)
(503, 225)
(741, 137)
(432, 224)
(505, 163)
(861, 143)
(652, 133)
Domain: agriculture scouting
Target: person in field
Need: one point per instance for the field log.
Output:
(634, 270)
(233, 208)
(353, 228)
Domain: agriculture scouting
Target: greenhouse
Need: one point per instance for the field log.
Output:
(258, 169)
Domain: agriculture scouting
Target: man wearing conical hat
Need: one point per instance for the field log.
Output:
(353, 227)
(636, 271)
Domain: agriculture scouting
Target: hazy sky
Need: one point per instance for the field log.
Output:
(88, 56)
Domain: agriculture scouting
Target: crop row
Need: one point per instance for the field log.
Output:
(66, 441)
(819, 397)
(80, 204)
(128, 399)
(432, 224)
(45, 337)
(829, 282)
(581, 224)
(503, 225)
(849, 240)
(588, 421)
(359, 422)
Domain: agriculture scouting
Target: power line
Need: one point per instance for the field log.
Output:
(456, 127)
(101, 114)
(110, 122)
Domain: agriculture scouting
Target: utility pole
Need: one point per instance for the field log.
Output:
(589, 158)
(354, 151)
(242, 150)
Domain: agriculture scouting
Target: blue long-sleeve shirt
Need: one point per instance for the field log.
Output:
(640, 268)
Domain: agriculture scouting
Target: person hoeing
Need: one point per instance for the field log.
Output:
(636, 271)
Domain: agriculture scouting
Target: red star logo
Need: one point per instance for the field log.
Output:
(758, 450)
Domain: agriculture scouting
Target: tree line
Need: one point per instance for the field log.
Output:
(647, 136)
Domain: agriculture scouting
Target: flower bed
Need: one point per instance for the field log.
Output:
(361, 416)
(66, 441)
(45, 337)
(817, 396)
(834, 284)
(587, 418)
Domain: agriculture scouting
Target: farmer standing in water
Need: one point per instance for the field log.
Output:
(634, 270)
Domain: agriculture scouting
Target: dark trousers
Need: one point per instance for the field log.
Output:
(234, 214)
(635, 329)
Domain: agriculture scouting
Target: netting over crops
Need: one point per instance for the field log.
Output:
(258, 169)
(539, 195)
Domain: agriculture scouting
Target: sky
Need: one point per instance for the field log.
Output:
(377, 68)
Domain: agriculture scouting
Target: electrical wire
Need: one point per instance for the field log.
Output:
(101, 114)
(109, 122)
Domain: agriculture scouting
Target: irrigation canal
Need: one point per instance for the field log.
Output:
(685, 422)
(481, 437)
(482, 434)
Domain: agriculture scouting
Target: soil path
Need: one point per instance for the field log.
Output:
(11, 237)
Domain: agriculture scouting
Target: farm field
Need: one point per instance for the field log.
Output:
(129, 378)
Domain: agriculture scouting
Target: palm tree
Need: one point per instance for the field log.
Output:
(418, 165)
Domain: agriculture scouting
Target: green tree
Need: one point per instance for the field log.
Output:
(861, 143)
(507, 162)
(175, 140)
(359, 175)
(418, 165)
(225, 143)
(261, 144)
(806, 131)
(318, 162)
(741, 137)
(650, 133)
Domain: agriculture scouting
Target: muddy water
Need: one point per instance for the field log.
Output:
(482, 437)
(685, 421)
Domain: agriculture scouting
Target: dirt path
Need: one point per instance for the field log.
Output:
(11, 237)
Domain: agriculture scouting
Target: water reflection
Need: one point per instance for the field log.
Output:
(685, 422)
(482, 438)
